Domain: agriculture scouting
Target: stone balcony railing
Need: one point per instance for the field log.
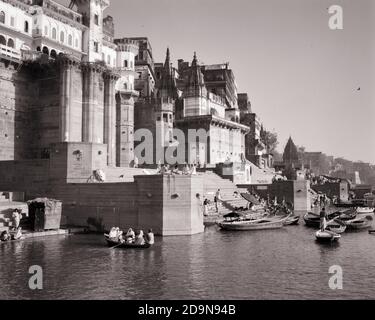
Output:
(10, 52)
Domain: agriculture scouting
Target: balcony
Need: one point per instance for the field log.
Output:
(10, 52)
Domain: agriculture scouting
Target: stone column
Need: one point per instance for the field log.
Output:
(125, 128)
(66, 66)
(92, 126)
(109, 138)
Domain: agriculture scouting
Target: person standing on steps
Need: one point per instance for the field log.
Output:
(217, 199)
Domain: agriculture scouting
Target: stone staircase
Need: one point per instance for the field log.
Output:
(231, 198)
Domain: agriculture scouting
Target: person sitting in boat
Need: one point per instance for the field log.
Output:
(139, 239)
(5, 236)
(113, 233)
(323, 219)
(150, 239)
(17, 234)
(130, 236)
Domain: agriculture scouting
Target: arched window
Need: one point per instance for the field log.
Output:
(45, 50)
(53, 54)
(10, 43)
(26, 26)
(54, 33)
(76, 43)
(38, 49)
(3, 41)
(70, 40)
(2, 17)
(125, 86)
(45, 30)
(62, 36)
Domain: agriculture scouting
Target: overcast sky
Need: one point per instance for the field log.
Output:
(302, 77)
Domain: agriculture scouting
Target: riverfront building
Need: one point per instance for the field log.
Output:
(71, 100)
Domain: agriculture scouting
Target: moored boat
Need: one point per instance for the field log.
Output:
(124, 245)
(292, 220)
(253, 224)
(336, 226)
(327, 236)
(365, 210)
(359, 223)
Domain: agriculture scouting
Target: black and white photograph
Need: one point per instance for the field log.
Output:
(195, 150)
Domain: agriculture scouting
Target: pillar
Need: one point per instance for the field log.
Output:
(92, 103)
(110, 79)
(124, 128)
(65, 98)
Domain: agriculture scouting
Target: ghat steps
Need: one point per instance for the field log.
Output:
(230, 193)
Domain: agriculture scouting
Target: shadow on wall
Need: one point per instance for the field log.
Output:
(96, 224)
(36, 91)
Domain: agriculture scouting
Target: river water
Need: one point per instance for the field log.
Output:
(273, 264)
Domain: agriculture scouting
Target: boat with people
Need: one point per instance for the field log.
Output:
(117, 239)
(113, 243)
(248, 224)
(326, 236)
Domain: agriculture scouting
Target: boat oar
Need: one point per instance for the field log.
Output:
(116, 245)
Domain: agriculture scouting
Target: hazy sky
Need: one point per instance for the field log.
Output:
(302, 77)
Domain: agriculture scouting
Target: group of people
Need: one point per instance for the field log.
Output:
(186, 170)
(131, 237)
(15, 232)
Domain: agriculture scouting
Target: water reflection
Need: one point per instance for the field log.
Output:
(279, 264)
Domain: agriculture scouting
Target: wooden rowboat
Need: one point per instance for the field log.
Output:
(336, 226)
(327, 236)
(257, 224)
(359, 223)
(114, 243)
(292, 220)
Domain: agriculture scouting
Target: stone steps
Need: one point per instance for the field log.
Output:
(228, 190)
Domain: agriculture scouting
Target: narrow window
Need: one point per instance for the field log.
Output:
(26, 26)
(70, 40)
(2, 17)
(46, 31)
(96, 19)
(10, 43)
(96, 46)
(125, 63)
(54, 33)
(12, 21)
(62, 36)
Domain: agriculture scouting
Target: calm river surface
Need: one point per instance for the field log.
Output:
(278, 264)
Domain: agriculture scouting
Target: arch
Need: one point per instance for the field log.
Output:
(70, 40)
(38, 49)
(45, 50)
(26, 26)
(54, 33)
(3, 41)
(62, 36)
(2, 17)
(60, 54)
(10, 43)
(53, 53)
